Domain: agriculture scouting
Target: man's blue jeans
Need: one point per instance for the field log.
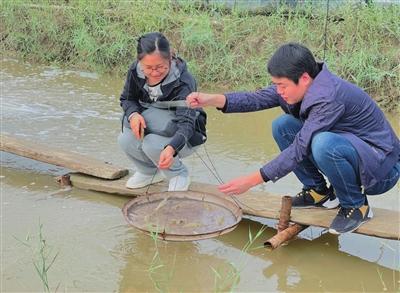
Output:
(335, 157)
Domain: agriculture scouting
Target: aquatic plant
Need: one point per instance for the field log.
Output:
(43, 258)
(159, 279)
(228, 280)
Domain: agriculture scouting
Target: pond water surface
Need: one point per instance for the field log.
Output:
(98, 251)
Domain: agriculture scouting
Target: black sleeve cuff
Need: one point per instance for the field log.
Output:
(264, 176)
(176, 153)
(177, 142)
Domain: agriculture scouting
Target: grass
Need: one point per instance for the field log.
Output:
(228, 280)
(395, 284)
(161, 274)
(227, 48)
(43, 257)
(159, 278)
(224, 280)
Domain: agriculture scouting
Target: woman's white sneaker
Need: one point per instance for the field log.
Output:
(179, 183)
(139, 180)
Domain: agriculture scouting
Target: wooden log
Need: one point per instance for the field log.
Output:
(64, 180)
(284, 216)
(283, 236)
(285, 232)
(51, 155)
(256, 203)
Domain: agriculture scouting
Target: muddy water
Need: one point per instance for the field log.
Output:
(97, 251)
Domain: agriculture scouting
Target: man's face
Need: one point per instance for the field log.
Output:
(289, 91)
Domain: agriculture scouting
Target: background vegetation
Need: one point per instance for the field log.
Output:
(223, 47)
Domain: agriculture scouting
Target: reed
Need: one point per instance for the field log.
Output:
(224, 48)
(160, 274)
(43, 258)
(228, 280)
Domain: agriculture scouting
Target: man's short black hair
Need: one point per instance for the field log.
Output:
(291, 60)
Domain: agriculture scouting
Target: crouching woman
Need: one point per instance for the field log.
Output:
(158, 129)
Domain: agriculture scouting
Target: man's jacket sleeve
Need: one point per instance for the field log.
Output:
(251, 101)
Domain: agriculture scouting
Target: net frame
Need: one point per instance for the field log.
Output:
(216, 200)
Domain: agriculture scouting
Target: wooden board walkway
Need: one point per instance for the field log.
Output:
(385, 224)
(55, 156)
(261, 204)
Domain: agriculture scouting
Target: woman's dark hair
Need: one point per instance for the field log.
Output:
(153, 42)
(291, 61)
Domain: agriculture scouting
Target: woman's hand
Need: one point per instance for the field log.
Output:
(197, 99)
(241, 184)
(166, 157)
(137, 125)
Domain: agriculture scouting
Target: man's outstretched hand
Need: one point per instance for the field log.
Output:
(197, 100)
(241, 184)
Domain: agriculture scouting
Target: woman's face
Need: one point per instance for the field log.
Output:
(155, 67)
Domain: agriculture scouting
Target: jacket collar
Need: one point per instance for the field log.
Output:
(322, 88)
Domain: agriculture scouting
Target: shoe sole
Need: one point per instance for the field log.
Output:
(331, 204)
(369, 217)
(315, 207)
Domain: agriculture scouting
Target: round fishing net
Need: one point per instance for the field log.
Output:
(183, 216)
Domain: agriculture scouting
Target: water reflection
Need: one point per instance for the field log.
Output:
(316, 266)
(302, 265)
(168, 266)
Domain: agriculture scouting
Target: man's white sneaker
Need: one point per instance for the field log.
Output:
(179, 183)
(139, 180)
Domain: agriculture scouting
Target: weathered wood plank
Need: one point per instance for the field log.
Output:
(385, 224)
(51, 155)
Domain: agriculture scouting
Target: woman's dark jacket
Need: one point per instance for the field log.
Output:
(176, 86)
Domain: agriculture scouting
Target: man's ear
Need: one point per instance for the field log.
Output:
(306, 78)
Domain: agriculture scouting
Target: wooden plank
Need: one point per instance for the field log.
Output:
(51, 155)
(385, 224)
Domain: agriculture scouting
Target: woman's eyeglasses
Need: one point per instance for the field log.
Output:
(159, 68)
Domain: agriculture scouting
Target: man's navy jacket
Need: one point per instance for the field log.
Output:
(330, 104)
